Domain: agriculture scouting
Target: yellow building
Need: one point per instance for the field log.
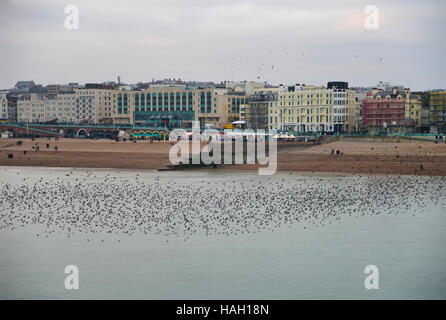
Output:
(413, 107)
(306, 109)
(437, 111)
(314, 109)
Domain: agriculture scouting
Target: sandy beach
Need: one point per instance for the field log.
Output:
(415, 158)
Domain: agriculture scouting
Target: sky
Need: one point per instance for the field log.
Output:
(280, 41)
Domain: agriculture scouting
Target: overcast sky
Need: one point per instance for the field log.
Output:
(280, 41)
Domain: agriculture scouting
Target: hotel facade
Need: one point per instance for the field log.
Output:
(304, 109)
(176, 106)
(85, 105)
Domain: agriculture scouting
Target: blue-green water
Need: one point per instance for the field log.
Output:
(296, 237)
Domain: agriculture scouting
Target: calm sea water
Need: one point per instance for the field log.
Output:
(300, 259)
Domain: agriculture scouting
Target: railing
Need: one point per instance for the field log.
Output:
(38, 127)
(388, 134)
(80, 125)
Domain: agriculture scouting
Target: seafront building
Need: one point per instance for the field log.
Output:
(4, 113)
(413, 108)
(80, 106)
(67, 107)
(12, 106)
(433, 111)
(177, 106)
(392, 111)
(31, 108)
(94, 105)
(166, 103)
(346, 107)
(437, 111)
(259, 112)
(175, 103)
(304, 109)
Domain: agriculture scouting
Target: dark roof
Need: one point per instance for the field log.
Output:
(384, 94)
(25, 84)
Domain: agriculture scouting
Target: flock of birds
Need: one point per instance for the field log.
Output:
(190, 204)
(262, 67)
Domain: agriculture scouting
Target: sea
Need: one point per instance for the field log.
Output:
(220, 235)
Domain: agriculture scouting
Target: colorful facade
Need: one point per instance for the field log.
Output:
(386, 112)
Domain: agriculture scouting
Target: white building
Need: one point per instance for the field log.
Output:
(81, 106)
(94, 105)
(31, 108)
(345, 110)
(66, 107)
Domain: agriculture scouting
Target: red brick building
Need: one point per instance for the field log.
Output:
(385, 112)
